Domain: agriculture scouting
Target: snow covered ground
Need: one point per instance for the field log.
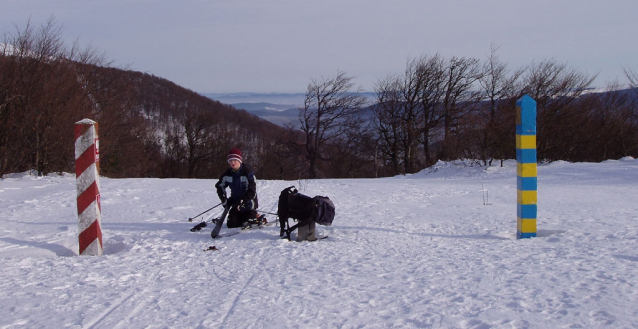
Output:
(416, 251)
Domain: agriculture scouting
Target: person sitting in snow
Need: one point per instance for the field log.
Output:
(243, 191)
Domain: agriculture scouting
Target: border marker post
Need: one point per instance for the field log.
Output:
(87, 182)
(526, 168)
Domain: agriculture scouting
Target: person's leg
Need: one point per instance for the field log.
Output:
(311, 231)
(306, 232)
(302, 232)
(234, 218)
(245, 216)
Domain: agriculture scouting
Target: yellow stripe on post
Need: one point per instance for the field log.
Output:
(525, 141)
(526, 225)
(526, 169)
(527, 197)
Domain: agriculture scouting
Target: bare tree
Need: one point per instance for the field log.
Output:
(330, 110)
(461, 74)
(409, 109)
(388, 121)
(632, 76)
(431, 95)
(197, 128)
(555, 88)
(45, 87)
(497, 81)
(41, 90)
(499, 84)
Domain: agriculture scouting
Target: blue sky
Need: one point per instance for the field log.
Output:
(214, 46)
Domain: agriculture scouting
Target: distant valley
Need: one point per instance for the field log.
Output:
(277, 108)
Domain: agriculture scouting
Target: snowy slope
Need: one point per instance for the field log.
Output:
(416, 251)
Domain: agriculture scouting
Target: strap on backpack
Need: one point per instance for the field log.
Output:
(293, 228)
(282, 212)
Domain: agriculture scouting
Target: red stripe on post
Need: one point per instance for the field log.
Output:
(87, 178)
(85, 160)
(87, 197)
(89, 235)
(81, 129)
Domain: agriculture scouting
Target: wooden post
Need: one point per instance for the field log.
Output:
(87, 182)
(526, 169)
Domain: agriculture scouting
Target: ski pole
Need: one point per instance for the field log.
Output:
(191, 219)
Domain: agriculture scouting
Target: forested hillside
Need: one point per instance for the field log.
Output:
(148, 126)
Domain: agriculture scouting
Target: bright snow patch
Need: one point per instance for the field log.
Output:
(416, 251)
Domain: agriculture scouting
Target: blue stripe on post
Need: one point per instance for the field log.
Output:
(528, 118)
(526, 211)
(526, 155)
(521, 235)
(527, 183)
(522, 130)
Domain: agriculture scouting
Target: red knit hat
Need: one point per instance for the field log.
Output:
(235, 154)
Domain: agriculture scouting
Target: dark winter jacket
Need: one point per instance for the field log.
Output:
(242, 186)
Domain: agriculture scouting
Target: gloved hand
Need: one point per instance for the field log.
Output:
(246, 205)
(224, 201)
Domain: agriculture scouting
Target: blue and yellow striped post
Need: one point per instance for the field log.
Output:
(526, 184)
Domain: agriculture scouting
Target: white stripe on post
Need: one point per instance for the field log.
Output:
(87, 182)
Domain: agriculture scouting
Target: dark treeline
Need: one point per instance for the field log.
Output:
(463, 108)
(452, 108)
(437, 109)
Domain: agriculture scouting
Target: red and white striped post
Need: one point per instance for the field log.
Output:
(87, 182)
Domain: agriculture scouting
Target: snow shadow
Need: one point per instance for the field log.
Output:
(57, 249)
(631, 258)
(422, 234)
(148, 227)
(118, 237)
(546, 233)
(115, 248)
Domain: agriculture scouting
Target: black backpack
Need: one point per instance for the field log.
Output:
(303, 209)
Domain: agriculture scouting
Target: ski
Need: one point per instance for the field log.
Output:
(318, 238)
(220, 222)
(225, 235)
(244, 229)
(252, 226)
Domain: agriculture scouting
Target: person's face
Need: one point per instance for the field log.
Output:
(235, 164)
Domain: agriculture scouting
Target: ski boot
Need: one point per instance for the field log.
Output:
(259, 221)
(198, 227)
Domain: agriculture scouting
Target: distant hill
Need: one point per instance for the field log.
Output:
(262, 106)
(278, 108)
(276, 113)
(287, 99)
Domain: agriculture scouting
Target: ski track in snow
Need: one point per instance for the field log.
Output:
(414, 251)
